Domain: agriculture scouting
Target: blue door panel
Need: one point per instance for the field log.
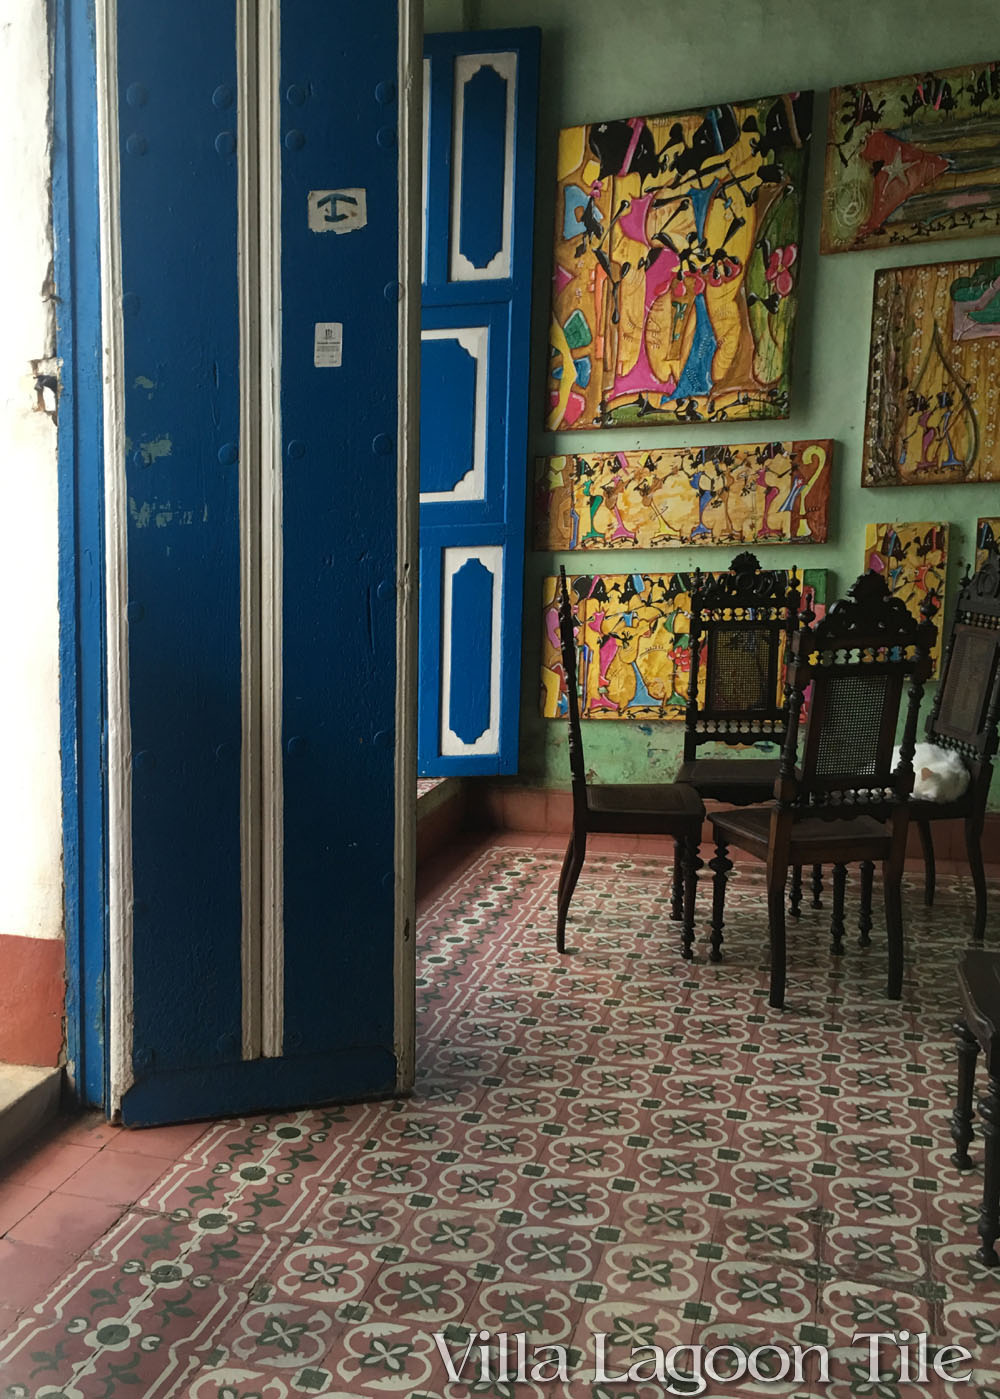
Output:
(340, 477)
(471, 620)
(479, 168)
(178, 197)
(339, 482)
(448, 406)
(481, 206)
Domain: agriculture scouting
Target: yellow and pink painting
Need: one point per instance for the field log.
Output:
(677, 254)
(764, 493)
(913, 560)
(933, 414)
(633, 654)
(913, 159)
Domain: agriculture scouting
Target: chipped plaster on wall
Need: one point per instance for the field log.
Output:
(30, 814)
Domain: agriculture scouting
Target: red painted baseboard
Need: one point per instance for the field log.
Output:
(32, 1000)
(534, 809)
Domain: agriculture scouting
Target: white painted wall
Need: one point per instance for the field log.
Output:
(30, 817)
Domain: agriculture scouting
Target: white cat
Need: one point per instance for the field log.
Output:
(939, 775)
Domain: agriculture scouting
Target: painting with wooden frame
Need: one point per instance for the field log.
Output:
(633, 643)
(764, 493)
(913, 159)
(677, 246)
(933, 415)
(913, 559)
(987, 538)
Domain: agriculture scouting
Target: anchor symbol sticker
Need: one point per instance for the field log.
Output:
(337, 210)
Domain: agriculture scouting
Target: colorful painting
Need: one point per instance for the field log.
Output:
(765, 493)
(633, 643)
(676, 265)
(934, 379)
(913, 159)
(913, 558)
(987, 538)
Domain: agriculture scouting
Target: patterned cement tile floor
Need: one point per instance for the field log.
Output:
(614, 1142)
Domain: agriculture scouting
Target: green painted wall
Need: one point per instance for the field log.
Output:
(643, 56)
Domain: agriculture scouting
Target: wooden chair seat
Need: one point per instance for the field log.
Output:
(860, 838)
(672, 800)
(979, 1029)
(737, 780)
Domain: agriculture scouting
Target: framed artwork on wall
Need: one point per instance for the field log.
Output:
(674, 497)
(913, 159)
(633, 643)
(933, 415)
(676, 265)
(987, 538)
(913, 559)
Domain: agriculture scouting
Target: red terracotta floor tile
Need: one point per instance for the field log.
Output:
(16, 1201)
(50, 1165)
(158, 1141)
(65, 1223)
(116, 1177)
(27, 1272)
(88, 1129)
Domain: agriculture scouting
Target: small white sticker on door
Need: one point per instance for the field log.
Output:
(328, 345)
(337, 210)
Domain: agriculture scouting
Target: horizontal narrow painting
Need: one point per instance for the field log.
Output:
(913, 159)
(633, 658)
(676, 265)
(987, 538)
(765, 493)
(913, 559)
(934, 375)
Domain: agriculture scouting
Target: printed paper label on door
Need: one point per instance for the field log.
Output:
(328, 345)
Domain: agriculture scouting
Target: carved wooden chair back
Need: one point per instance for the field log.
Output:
(567, 642)
(745, 617)
(966, 708)
(858, 659)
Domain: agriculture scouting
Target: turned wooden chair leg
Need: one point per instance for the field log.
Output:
(961, 1118)
(692, 864)
(892, 879)
(930, 871)
(677, 883)
(837, 914)
(720, 866)
(817, 886)
(572, 865)
(974, 849)
(776, 929)
(865, 903)
(989, 1218)
(795, 893)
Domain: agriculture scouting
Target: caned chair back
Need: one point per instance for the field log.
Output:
(567, 642)
(965, 712)
(745, 617)
(857, 661)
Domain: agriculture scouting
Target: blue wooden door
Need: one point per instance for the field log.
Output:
(263, 935)
(480, 107)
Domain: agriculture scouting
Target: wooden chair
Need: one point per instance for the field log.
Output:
(744, 620)
(964, 720)
(979, 988)
(845, 804)
(669, 809)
